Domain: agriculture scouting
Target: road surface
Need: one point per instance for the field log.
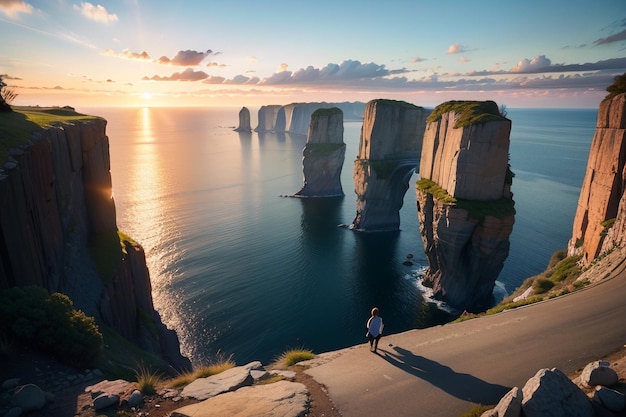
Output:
(445, 370)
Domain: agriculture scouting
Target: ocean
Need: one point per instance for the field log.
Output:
(240, 271)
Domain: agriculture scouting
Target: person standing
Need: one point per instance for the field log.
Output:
(374, 329)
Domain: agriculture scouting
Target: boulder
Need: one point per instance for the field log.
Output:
(610, 399)
(14, 412)
(29, 397)
(229, 380)
(598, 373)
(551, 393)
(105, 400)
(135, 399)
(10, 383)
(509, 406)
(280, 399)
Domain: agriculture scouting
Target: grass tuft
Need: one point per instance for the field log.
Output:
(293, 356)
(477, 410)
(147, 381)
(220, 365)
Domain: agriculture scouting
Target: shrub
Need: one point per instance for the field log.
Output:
(618, 87)
(220, 365)
(542, 285)
(50, 323)
(293, 356)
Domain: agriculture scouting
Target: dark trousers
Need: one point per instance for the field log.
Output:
(374, 341)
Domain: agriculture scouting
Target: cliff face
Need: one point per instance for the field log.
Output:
(244, 121)
(323, 155)
(267, 118)
(56, 213)
(467, 241)
(601, 200)
(391, 139)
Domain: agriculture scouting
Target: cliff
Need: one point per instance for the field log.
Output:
(244, 121)
(295, 117)
(464, 203)
(58, 231)
(600, 220)
(389, 146)
(323, 155)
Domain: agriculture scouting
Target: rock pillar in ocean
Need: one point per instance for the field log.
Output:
(600, 220)
(389, 148)
(244, 120)
(267, 118)
(464, 201)
(323, 155)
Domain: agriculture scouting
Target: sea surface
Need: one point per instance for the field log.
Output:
(239, 270)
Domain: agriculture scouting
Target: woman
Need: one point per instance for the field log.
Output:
(374, 329)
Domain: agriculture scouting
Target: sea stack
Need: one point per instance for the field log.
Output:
(244, 121)
(389, 149)
(323, 155)
(464, 201)
(600, 220)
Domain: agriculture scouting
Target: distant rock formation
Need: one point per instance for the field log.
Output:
(600, 220)
(389, 147)
(464, 202)
(57, 203)
(323, 155)
(244, 121)
(295, 117)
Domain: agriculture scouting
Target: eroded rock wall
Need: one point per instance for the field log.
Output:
(323, 155)
(57, 203)
(467, 242)
(244, 121)
(601, 198)
(389, 147)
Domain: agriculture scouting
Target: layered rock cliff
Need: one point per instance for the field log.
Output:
(600, 220)
(464, 203)
(323, 155)
(389, 147)
(58, 231)
(244, 121)
(295, 117)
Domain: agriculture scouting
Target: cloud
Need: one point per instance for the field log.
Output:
(9, 77)
(537, 64)
(417, 59)
(12, 8)
(215, 64)
(613, 38)
(456, 48)
(185, 58)
(96, 13)
(187, 75)
(464, 59)
(126, 54)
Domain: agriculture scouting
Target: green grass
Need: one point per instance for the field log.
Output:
(396, 103)
(147, 380)
(327, 112)
(470, 112)
(18, 126)
(431, 187)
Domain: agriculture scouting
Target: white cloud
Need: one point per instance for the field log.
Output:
(12, 8)
(456, 48)
(96, 13)
(126, 54)
(537, 64)
(185, 58)
(187, 75)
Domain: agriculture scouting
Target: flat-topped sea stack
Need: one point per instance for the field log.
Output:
(267, 118)
(244, 121)
(323, 155)
(464, 201)
(600, 220)
(294, 118)
(389, 148)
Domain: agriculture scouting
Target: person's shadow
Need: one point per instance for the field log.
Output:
(463, 386)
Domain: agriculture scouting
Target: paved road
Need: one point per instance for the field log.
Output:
(444, 370)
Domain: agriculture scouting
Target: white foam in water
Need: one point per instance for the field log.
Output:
(417, 276)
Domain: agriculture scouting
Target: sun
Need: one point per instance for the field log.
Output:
(146, 96)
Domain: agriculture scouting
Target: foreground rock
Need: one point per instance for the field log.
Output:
(280, 399)
(323, 155)
(464, 201)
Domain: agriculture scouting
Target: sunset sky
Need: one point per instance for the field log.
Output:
(533, 53)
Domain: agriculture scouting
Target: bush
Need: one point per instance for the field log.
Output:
(147, 381)
(49, 322)
(542, 285)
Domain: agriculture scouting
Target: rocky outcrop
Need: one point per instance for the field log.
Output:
(58, 231)
(244, 121)
(295, 117)
(464, 203)
(323, 155)
(600, 220)
(389, 147)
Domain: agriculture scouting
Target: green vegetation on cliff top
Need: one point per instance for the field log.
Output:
(326, 112)
(17, 127)
(396, 102)
(618, 87)
(476, 209)
(471, 112)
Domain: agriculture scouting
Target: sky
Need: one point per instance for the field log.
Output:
(531, 53)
